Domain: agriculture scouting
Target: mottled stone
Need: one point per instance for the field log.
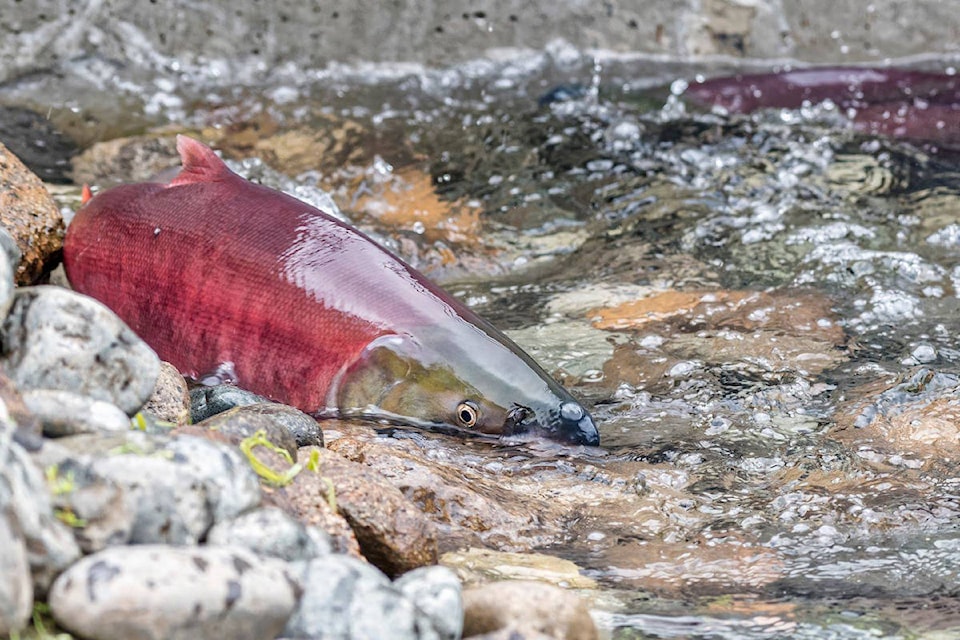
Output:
(170, 400)
(528, 607)
(16, 587)
(174, 593)
(25, 498)
(393, 534)
(475, 566)
(436, 592)
(176, 488)
(209, 401)
(271, 532)
(102, 515)
(346, 598)
(31, 216)
(65, 413)
(59, 339)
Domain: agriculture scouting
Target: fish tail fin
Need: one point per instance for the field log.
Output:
(85, 194)
(200, 163)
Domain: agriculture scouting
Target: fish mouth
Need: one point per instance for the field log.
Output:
(569, 423)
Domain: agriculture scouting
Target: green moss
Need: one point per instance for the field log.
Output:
(278, 478)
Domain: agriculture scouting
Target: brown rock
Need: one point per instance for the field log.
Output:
(123, 160)
(393, 533)
(31, 216)
(306, 497)
(528, 608)
(468, 507)
(171, 399)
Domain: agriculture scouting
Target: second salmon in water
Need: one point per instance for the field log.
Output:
(219, 274)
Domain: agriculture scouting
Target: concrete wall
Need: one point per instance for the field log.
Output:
(39, 33)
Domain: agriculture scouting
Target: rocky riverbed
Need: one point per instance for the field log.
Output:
(133, 508)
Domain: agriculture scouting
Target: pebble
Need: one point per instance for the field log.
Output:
(436, 591)
(209, 401)
(170, 400)
(30, 215)
(528, 607)
(347, 599)
(270, 531)
(193, 592)
(65, 413)
(59, 339)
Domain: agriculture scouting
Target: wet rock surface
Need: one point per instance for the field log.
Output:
(31, 217)
(194, 592)
(44, 149)
(283, 426)
(526, 607)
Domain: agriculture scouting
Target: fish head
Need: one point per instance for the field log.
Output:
(482, 386)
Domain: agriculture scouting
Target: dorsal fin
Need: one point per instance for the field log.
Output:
(85, 194)
(200, 163)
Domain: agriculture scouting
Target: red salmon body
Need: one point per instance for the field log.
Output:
(217, 273)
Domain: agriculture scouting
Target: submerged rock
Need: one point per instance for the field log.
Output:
(527, 607)
(58, 339)
(31, 216)
(195, 592)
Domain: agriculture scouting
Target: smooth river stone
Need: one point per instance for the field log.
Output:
(270, 531)
(59, 339)
(156, 592)
(65, 413)
(347, 599)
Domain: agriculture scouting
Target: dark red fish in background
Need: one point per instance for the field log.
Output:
(217, 273)
(898, 103)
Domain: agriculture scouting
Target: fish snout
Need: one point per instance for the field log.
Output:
(577, 426)
(569, 423)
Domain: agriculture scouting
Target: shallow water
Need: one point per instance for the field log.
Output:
(760, 309)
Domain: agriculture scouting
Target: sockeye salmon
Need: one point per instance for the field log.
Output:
(217, 273)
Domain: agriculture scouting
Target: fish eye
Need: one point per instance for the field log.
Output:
(468, 413)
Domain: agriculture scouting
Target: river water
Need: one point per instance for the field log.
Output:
(761, 310)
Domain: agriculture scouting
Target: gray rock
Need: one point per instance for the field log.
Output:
(437, 592)
(65, 413)
(174, 488)
(9, 261)
(102, 515)
(271, 532)
(209, 401)
(16, 587)
(9, 249)
(348, 599)
(25, 502)
(231, 485)
(59, 339)
(170, 401)
(242, 422)
(174, 593)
